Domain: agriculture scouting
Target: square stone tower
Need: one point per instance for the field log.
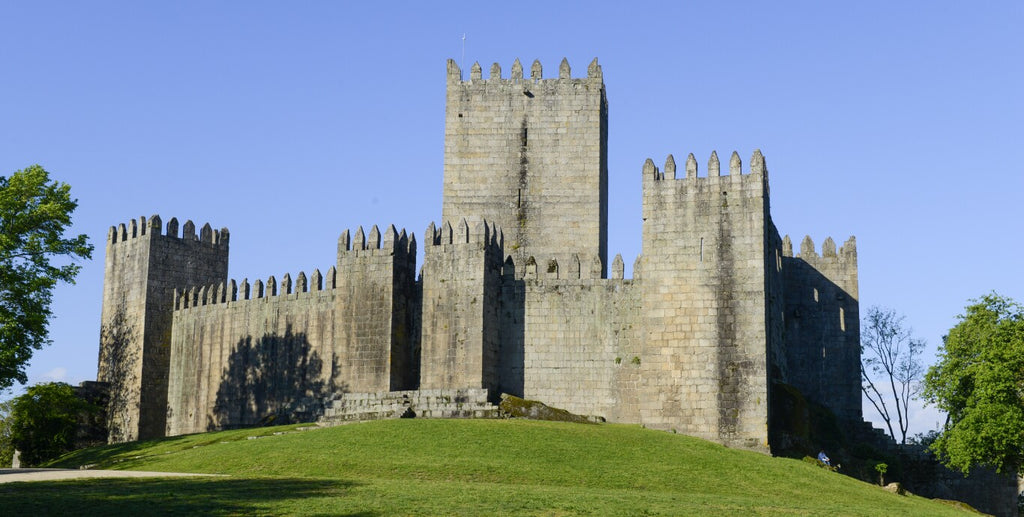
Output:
(530, 155)
(144, 266)
(708, 309)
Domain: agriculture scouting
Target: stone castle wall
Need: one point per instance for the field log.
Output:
(461, 331)
(581, 336)
(239, 355)
(515, 294)
(376, 282)
(242, 354)
(775, 305)
(143, 267)
(256, 356)
(822, 324)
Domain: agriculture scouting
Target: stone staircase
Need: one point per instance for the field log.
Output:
(441, 403)
(867, 433)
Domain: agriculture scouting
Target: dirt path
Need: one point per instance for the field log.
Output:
(14, 475)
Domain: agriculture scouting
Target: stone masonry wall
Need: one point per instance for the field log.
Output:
(376, 286)
(775, 308)
(718, 306)
(123, 319)
(984, 489)
(461, 290)
(704, 370)
(143, 267)
(241, 356)
(529, 154)
(581, 337)
(822, 323)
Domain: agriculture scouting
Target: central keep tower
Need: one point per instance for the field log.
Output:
(532, 156)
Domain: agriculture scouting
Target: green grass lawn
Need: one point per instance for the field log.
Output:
(454, 467)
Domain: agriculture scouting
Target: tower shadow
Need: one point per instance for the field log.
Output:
(512, 355)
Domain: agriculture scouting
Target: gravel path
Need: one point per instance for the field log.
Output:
(14, 475)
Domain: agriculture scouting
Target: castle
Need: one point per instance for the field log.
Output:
(516, 293)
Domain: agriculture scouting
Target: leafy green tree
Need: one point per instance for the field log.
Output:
(890, 367)
(44, 421)
(35, 212)
(6, 445)
(979, 383)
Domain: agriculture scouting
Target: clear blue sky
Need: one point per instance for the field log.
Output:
(897, 122)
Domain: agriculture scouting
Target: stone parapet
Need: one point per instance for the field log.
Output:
(438, 403)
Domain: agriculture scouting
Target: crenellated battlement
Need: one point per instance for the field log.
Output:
(516, 293)
(516, 76)
(232, 291)
(668, 194)
(153, 226)
(481, 232)
(714, 170)
(575, 268)
(389, 241)
(846, 253)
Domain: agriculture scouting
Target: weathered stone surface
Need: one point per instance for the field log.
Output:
(460, 327)
(142, 271)
(532, 158)
(706, 304)
(516, 294)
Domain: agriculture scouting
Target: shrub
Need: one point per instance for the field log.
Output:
(44, 421)
(881, 468)
(821, 464)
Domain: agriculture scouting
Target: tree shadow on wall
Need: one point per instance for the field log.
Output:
(273, 380)
(118, 359)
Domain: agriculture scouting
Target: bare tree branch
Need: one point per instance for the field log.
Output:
(891, 355)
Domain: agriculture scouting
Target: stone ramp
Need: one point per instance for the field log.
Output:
(440, 403)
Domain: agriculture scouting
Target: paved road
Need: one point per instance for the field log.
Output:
(13, 475)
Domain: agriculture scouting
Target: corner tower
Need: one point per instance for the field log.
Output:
(143, 268)
(530, 155)
(707, 303)
(822, 324)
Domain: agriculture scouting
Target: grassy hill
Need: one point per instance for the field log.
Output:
(454, 467)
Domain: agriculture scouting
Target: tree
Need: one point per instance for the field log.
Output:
(6, 444)
(881, 468)
(979, 383)
(34, 214)
(44, 421)
(890, 355)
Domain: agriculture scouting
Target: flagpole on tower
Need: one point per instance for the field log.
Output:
(463, 63)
